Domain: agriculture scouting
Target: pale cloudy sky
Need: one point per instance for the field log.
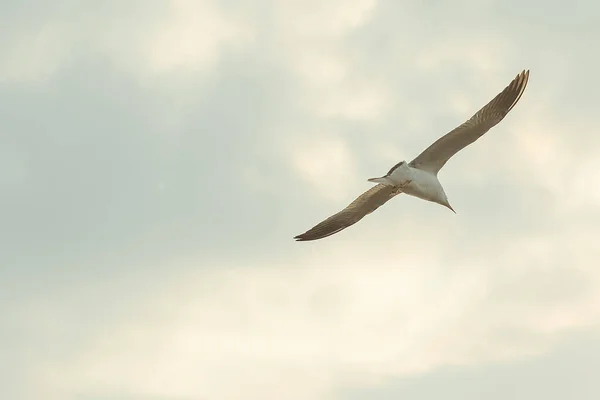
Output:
(157, 157)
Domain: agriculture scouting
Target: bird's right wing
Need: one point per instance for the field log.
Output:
(435, 156)
(364, 204)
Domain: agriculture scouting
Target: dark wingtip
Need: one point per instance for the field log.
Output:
(304, 237)
(318, 232)
(514, 90)
(301, 237)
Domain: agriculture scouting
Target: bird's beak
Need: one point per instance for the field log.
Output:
(450, 207)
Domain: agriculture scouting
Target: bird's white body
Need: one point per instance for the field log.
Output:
(415, 182)
(426, 186)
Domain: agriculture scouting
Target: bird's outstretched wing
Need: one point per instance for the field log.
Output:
(435, 156)
(364, 204)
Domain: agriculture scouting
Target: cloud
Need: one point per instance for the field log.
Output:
(35, 56)
(331, 321)
(144, 38)
(159, 158)
(325, 163)
(574, 361)
(191, 37)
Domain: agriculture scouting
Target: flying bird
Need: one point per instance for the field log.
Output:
(419, 177)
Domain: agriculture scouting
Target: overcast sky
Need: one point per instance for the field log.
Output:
(157, 158)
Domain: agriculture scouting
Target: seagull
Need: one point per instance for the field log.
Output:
(419, 177)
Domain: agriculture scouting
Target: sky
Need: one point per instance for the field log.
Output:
(157, 158)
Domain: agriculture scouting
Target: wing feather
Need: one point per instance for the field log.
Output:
(363, 205)
(435, 156)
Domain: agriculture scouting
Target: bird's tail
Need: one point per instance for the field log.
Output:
(383, 179)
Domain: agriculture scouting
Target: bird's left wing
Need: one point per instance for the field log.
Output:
(364, 204)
